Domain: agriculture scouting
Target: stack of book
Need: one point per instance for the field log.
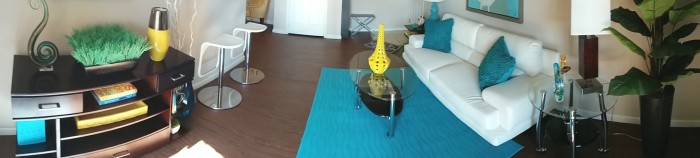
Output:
(114, 93)
(111, 116)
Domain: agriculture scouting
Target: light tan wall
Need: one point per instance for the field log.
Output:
(549, 21)
(280, 15)
(7, 49)
(17, 21)
(333, 19)
(393, 15)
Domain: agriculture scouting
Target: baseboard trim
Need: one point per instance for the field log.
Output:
(332, 37)
(635, 120)
(7, 131)
(386, 29)
(279, 31)
(685, 123)
(206, 79)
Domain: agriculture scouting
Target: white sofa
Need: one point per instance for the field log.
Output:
(500, 112)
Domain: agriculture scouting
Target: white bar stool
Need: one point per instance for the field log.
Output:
(248, 75)
(219, 97)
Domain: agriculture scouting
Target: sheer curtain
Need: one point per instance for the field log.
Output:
(416, 9)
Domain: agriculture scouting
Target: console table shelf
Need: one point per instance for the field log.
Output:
(70, 131)
(58, 96)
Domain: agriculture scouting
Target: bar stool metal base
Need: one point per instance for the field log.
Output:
(230, 97)
(252, 76)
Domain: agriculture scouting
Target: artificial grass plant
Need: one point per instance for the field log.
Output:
(105, 44)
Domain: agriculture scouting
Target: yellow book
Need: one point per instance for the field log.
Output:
(114, 91)
(111, 116)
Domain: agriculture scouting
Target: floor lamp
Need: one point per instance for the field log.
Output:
(588, 19)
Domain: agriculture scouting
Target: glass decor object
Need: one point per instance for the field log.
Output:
(379, 61)
(558, 84)
(46, 53)
(158, 35)
(421, 20)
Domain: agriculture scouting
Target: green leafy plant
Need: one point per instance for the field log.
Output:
(105, 44)
(174, 123)
(668, 58)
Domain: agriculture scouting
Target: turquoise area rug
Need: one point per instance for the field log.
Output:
(425, 128)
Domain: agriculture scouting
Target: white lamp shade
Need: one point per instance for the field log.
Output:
(590, 17)
(434, 0)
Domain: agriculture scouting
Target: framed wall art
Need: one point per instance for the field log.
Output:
(511, 10)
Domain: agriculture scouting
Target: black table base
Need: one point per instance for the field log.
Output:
(381, 107)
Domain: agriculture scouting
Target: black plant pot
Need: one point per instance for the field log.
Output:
(655, 115)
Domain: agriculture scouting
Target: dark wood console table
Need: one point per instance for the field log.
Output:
(57, 97)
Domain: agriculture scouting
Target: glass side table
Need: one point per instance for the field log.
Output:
(575, 107)
(383, 95)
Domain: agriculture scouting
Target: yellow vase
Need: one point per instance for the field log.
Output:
(158, 35)
(160, 42)
(379, 61)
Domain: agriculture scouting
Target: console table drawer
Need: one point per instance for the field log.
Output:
(47, 106)
(177, 76)
(134, 148)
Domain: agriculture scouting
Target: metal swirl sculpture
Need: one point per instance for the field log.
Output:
(46, 53)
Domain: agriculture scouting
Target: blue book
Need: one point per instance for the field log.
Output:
(108, 101)
(31, 132)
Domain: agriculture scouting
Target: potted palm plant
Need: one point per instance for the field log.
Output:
(667, 60)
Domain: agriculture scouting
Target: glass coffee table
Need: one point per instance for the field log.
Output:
(574, 112)
(382, 94)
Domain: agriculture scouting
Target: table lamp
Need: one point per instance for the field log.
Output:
(589, 18)
(434, 9)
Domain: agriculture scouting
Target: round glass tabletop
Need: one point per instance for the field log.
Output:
(399, 79)
(585, 105)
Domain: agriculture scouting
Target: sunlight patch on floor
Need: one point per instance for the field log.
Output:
(200, 149)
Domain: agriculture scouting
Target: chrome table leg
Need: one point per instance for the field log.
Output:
(540, 146)
(392, 119)
(604, 118)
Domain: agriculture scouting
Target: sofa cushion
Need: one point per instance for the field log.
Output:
(476, 58)
(527, 51)
(463, 30)
(462, 51)
(426, 60)
(511, 99)
(549, 57)
(497, 66)
(416, 40)
(456, 84)
(438, 35)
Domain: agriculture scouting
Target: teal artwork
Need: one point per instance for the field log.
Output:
(46, 53)
(504, 9)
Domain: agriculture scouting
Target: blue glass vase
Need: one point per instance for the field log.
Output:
(558, 84)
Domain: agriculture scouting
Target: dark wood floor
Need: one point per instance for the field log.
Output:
(271, 119)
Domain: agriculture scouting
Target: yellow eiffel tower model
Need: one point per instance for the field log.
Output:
(379, 61)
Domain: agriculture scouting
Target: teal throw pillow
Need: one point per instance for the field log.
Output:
(497, 65)
(438, 35)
